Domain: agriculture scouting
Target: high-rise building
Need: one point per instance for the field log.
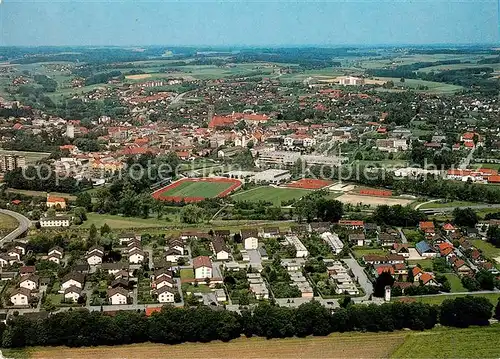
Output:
(11, 162)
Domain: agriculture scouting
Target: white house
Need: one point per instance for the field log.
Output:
(173, 255)
(55, 258)
(94, 259)
(29, 282)
(202, 267)
(72, 293)
(163, 281)
(20, 296)
(220, 249)
(117, 296)
(136, 256)
(166, 294)
(250, 238)
(57, 250)
(73, 279)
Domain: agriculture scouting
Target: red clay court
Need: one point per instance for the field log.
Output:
(309, 183)
(197, 189)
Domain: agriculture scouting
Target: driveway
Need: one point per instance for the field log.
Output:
(361, 276)
(254, 256)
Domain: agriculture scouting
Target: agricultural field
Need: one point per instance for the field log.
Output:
(435, 343)
(432, 87)
(42, 194)
(438, 299)
(346, 345)
(360, 252)
(270, 194)
(451, 343)
(192, 190)
(431, 205)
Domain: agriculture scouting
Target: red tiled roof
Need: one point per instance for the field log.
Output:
(426, 225)
(202, 261)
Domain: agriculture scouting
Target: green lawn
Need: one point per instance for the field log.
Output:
(200, 288)
(270, 194)
(433, 87)
(7, 223)
(197, 189)
(119, 222)
(456, 283)
(487, 248)
(187, 273)
(438, 299)
(424, 263)
(451, 343)
(360, 252)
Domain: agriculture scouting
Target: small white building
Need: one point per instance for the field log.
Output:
(202, 267)
(29, 282)
(73, 279)
(117, 296)
(250, 238)
(136, 256)
(49, 222)
(166, 294)
(20, 297)
(72, 293)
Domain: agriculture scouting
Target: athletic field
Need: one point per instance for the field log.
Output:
(197, 189)
(270, 194)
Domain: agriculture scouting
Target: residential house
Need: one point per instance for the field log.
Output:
(357, 239)
(270, 232)
(94, 255)
(126, 238)
(351, 224)
(29, 282)
(220, 249)
(202, 267)
(425, 250)
(250, 238)
(58, 221)
(117, 296)
(20, 297)
(401, 249)
(56, 250)
(166, 294)
(173, 255)
(56, 202)
(72, 293)
(136, 256)
(72, 279)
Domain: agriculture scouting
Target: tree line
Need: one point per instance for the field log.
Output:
(202, 324)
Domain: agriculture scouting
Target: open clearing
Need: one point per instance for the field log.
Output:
(348, 345)
(119, 222)
(138, 77)
(451, 343)
(42, 194)
(7, 223)
(438, 299)
(488, 249)
(372, 201)
(270, 194)
(436, 343)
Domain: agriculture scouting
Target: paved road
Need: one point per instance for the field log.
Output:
(403, 237)
(24, 224)
(465, 163)
(361, 276)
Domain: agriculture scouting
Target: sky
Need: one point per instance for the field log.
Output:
(250, 22)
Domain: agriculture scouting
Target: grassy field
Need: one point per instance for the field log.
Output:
(186, 273)
(451, 343)
(424, 263)
(455, 282)
(438, 299)
(346, 345)
(487, 248)
(119, 222)
(7, 223)
(197, 189)
(436, 343)
(360, 252)
(433, 87)
(271, 194)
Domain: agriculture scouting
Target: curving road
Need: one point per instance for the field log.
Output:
(24, 224)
